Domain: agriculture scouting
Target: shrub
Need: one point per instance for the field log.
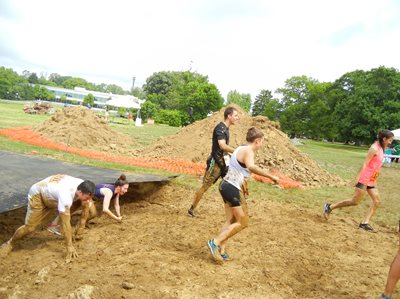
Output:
(169, 117)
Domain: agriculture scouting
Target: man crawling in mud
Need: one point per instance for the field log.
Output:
(57, 192)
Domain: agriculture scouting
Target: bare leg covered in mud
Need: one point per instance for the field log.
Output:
(394, 273)
(21, 232)
(88, 212)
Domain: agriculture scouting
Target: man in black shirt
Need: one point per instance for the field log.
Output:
(216, 166)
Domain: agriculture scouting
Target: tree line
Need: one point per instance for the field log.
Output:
(352, 108)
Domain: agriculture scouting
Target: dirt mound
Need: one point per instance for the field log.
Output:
(38, 108)
(80, 127)
(194, 143)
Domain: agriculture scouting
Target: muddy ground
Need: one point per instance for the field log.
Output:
(160, 252)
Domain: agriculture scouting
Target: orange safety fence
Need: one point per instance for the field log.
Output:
(26, 135)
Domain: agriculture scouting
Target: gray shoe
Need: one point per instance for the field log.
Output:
(191, 213)
(366, 227)
(327, 210)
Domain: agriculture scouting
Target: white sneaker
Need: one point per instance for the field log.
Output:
(54, 229)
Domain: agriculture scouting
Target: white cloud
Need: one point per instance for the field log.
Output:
(243, 45)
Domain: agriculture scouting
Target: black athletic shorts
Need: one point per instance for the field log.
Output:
(363, 187)
(230, 194)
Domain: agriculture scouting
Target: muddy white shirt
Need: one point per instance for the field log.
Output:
(58, 188)
(236, 173)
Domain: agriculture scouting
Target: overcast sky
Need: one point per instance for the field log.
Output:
(243, 45)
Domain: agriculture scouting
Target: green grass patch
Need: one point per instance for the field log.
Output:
(340, 159)
(12, 115)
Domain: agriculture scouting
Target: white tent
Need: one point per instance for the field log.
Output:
(396, 134)
(124, 102)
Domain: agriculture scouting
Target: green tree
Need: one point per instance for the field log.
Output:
(88, 100)
(366, 101)
(115, 89)
(42, 93)
(264, 104)
(148, 109)
(241, 99)
(9, 81)
(295, 117)
(181, 90)
(71, 83)
(138, 92)
(159, 83)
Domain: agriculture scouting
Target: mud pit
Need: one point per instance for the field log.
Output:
(159, 252)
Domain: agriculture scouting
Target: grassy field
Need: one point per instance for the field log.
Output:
(339, 159)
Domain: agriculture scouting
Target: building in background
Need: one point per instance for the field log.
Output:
(77, 95)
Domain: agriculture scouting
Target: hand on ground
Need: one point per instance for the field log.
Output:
(71, 254)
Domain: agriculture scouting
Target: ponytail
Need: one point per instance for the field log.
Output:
(121, 181)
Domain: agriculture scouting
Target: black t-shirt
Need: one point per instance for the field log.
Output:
(221, 132)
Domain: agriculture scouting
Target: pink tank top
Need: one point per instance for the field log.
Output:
(370, 174)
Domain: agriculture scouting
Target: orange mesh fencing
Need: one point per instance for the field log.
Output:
(26, 135)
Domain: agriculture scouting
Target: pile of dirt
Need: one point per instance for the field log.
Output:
(194, 143)
(282, 254)
(38, 108)
(81, 127)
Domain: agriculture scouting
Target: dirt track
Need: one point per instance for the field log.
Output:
(159, 252)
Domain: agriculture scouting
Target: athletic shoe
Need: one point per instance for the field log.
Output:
(54, 229)
(327, 210)
(383, 296)
(191, 213)
(225, 257)
(367, 227)
(215, 250)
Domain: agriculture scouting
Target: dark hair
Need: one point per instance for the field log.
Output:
(382, 134)
(253, 133)
(87, 187)
(228, 111)
(121, 181)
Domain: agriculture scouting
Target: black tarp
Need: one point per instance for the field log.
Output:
(18, 172)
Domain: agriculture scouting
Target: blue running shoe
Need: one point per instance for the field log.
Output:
(214, 249)
(383, 296)
(225, 256)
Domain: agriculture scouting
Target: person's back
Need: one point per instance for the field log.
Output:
(57, 190)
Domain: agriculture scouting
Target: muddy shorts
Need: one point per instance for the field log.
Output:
(363, 187)
(213, 172)
(38, 213)
(231, 195)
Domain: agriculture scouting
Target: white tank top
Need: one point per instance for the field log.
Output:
(236, 173)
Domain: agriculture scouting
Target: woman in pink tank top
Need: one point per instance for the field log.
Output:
(366, 181)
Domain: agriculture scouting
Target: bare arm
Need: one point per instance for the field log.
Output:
(226, 148)
(248, 159)
(65, 219)
(106, 203)
(116, 206)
